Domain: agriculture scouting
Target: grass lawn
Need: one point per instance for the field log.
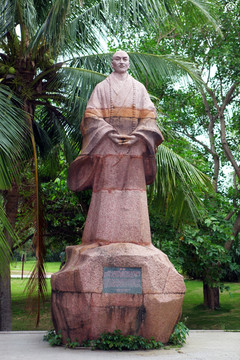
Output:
(195, 315)
(16, 267)
(22, 318)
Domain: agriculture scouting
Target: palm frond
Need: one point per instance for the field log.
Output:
(16, 12)
(114, 16)
(156, 67)
(42, 8)
(27, 17)
(195, 13)
(82, 83)
(202, 12)
(5, 250)
(86, 30)
(52, 32)
(178, 187)
(54, 130)
(78, 85)
(199, 12)
(13, 137)
(70, 27)
(7, 16)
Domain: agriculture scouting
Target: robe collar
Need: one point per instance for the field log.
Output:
(120, 89)
(119, 86)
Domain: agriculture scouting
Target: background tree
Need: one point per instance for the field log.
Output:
(215, 115)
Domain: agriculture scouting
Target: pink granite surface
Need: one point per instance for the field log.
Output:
(112, 215)
(82, 310)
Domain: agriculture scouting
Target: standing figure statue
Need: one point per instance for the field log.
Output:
(116, 278)
(117, 160)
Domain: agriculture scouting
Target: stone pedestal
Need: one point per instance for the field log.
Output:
(123, 286)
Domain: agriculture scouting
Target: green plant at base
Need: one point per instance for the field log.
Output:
(53, 338)
(108, 341)
(117, 341)
(72, 344)
(179, 334)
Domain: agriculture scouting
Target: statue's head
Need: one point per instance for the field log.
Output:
(120, 61)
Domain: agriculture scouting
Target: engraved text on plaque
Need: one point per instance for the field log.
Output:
(125, 280)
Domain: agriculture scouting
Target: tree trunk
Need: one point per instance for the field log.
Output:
(236, 230)
(11, 207)
(5, 301)
(211, 297)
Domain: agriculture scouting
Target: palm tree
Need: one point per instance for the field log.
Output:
(41, 44)
(12, 151)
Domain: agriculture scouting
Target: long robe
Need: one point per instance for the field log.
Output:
(117, 174)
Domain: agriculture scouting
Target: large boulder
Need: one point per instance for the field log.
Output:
(123, 286)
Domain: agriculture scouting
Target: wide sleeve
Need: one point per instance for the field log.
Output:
(147, 128)
(93, 129)
(93, 126)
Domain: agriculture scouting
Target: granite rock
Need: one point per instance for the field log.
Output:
(81, 309)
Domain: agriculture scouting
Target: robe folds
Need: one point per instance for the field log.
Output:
(117, 174)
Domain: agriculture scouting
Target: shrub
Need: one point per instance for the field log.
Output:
(117, 341)
(179, 334)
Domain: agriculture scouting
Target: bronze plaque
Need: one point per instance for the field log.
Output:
(122, 280)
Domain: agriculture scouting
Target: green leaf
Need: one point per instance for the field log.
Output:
(13, 137)
(5, 250)
(177, 187)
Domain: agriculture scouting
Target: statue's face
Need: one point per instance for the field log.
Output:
(120, 62)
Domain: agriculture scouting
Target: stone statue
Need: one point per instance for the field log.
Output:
(116, 278)
(117, 160)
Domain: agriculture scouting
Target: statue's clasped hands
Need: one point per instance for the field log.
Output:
(123, 139)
